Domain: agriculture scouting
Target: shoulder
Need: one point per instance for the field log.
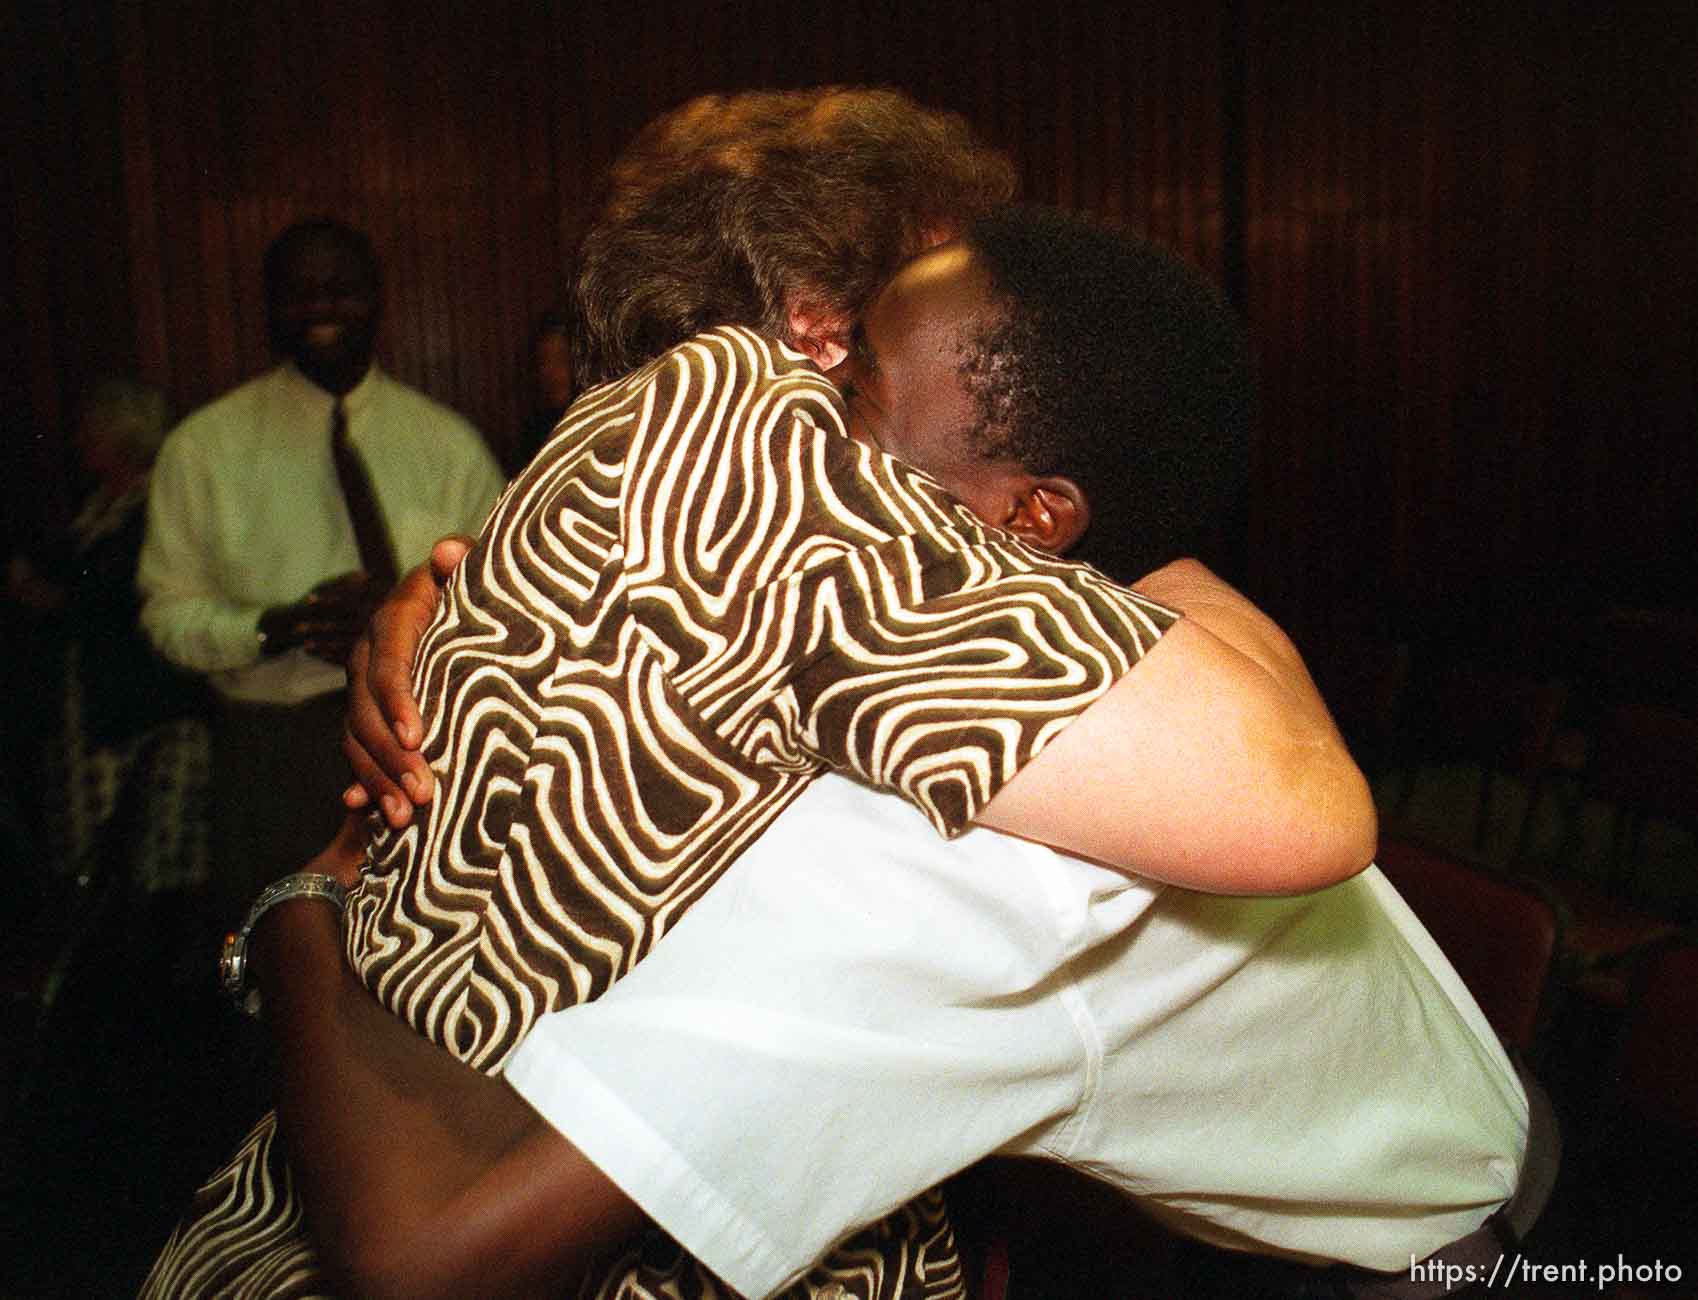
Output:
(423, 429)
(741, 350)
(420, 411)
(739, 371)
(728, 411)
(231, 414)
(229, 420)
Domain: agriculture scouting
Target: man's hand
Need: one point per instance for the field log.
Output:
(384, 731)
(325, 621)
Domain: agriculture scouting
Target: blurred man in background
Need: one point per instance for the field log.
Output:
(279, 516)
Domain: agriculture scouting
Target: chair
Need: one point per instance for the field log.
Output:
(1643, 764)
(1508, 724)
(1644, 761)
(1637, 1191)
(1657, 1060)
(1502, 934)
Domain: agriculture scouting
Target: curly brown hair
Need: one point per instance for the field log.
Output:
(744, 208)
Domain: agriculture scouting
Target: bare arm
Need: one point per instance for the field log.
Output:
(421, 1177)
(1214, 764)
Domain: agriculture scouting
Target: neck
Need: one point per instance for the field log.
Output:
(338, 381)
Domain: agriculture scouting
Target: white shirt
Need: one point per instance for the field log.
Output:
(246, 512)
(858, 1009)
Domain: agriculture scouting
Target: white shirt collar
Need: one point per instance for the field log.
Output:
(312, 396)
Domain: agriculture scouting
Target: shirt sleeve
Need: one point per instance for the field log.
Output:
(937, 665)
(475, 484)
(844, 611)
(182, 612)
(839, 1060)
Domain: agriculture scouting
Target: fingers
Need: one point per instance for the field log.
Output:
(330, 636)
(384, 729)
(391, 774)
(371, 784)
(446, 555)
(333, 650)
(395, 632)
(389, 678)
(343, 856)
(344, 592)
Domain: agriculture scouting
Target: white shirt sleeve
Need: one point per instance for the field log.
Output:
(183, 612)
(857, 1010)
(870, 1054)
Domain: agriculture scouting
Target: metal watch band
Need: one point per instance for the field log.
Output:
(233, 960)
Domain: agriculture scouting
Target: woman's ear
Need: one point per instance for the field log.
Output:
(1050, 514)
(825, 339)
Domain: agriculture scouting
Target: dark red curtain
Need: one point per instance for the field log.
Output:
(1462, 234)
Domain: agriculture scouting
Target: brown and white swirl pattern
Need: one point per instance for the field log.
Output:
(701, 594)
(911, 1255)
(244, 1236)
(244, 1239)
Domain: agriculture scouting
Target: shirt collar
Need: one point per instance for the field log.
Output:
(353, 401)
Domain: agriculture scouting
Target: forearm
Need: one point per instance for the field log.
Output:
(187, 610)
(420, 1176)
(202, 633)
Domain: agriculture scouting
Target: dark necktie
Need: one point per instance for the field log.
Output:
(377, 557)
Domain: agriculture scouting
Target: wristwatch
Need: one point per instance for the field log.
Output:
(233, 960)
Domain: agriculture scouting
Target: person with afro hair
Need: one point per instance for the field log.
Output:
(1116, 363)
(1050, 371)
(1088, 392)
(922, 389)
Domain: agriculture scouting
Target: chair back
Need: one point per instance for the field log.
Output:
(1645, 759)
(1657, 1062)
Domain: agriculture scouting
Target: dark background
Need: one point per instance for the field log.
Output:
(1465, 236)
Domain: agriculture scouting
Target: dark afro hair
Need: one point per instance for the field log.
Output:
(1117, 365)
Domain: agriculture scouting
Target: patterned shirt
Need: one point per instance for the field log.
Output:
(701, 594)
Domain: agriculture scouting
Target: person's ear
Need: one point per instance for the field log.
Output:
(1050, 514)
(824, 338)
